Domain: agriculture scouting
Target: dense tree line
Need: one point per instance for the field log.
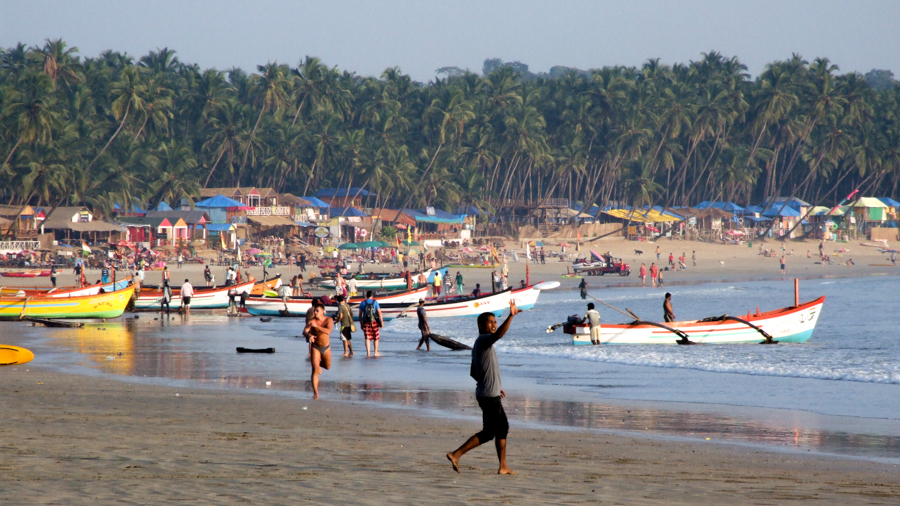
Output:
(109, 129)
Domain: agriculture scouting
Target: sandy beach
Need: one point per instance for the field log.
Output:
(105, 439)
(92, 440)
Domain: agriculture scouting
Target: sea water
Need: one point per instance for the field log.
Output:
(837, 393)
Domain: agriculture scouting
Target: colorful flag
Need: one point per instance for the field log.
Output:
(85, 249)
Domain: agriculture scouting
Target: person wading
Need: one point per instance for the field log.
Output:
(668, 313)
(486, 371)
(423, 326)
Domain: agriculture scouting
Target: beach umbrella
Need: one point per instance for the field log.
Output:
(564, 245)
(198, 242)
(348, 245)
(328, 249)
(251, 251)
(263, 254)
(409, 243)
(413, 252)
(367, 244)
(539, 244)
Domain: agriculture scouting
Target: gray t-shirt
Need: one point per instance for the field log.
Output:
(485, 368)
(593, 317)
(423, 318)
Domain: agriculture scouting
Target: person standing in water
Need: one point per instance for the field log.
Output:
(319, 328)
(485, 370)
(582, 289)
(668, 313)
(593, 317)
(423, 326)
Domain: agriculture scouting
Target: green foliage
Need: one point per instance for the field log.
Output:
(111, 129)
(388, 233)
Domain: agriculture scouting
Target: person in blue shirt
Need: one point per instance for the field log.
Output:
(371, 322)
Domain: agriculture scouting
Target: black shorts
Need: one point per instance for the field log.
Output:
(186, 301)
(346, 333)
(495, 423)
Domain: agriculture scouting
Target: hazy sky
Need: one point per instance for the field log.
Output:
(421, 36)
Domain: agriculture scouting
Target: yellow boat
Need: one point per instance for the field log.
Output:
(102, 305)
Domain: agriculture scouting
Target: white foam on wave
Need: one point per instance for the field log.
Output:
(838, 366)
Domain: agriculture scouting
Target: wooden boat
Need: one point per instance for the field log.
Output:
(64, 291)
(269, 284)
(102, 305)
(793, 324)
(384, 281)
(496, 303)
(298, 306)
(204, 298)
(25, 274)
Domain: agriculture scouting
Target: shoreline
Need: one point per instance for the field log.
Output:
(77, 439)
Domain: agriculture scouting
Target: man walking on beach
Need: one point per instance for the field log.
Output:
(657, 252)
(459, 283)
(654, 271)
(345, 318)
(668, 313)
(423, 326)
(436, 290)
(593, 317)
(485, 370)
(582, 289)
(782, 264)
(372, 321)
(187, 291)
(319, 328)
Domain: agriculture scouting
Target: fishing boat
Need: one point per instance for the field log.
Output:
(298, 306)
(203, 298)
(269, 284)
(385, 281)
(496, 303)
(65, 291)
(102, 305)
(25, 274)
(794, 324)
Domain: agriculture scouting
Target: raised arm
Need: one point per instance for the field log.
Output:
(501, 331)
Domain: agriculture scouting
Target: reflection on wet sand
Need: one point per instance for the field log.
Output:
(196, 349)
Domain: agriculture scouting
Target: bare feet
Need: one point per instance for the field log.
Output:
(345, 355)
(453, 461)
(505, 470)
(377, 354)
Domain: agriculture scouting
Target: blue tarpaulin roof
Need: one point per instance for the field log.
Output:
(343, 192)
(218, 227)
(334, 212)
(889, 202)
(219, 201)
(134, 209)
(316, 202)
(782, 210)
(439, 216)
(731, 207)
(469, 210)
(163, 206)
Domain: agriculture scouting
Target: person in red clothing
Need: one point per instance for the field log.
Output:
(672, 260)
(654, 271)
(643, 274)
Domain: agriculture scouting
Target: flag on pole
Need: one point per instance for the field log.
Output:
(408, 235)
(578, 243)
(85, 249)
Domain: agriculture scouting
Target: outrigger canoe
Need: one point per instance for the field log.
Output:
(103, 305)
(496, 303)
(65, 291)
(384, 281)
(793, 324)
(203, 298)
(25, 274)
(297, 306)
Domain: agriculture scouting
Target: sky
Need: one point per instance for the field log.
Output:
(419, 36)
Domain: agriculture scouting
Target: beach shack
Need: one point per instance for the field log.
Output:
(222, 209)
(68, 223)
(18, 222)
(196, 222)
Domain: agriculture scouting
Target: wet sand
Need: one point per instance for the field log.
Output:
(86, 440)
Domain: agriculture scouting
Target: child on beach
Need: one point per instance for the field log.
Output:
(485, 369)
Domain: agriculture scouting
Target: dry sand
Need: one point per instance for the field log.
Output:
(92, 440)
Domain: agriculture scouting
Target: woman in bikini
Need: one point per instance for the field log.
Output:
(319, 328)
